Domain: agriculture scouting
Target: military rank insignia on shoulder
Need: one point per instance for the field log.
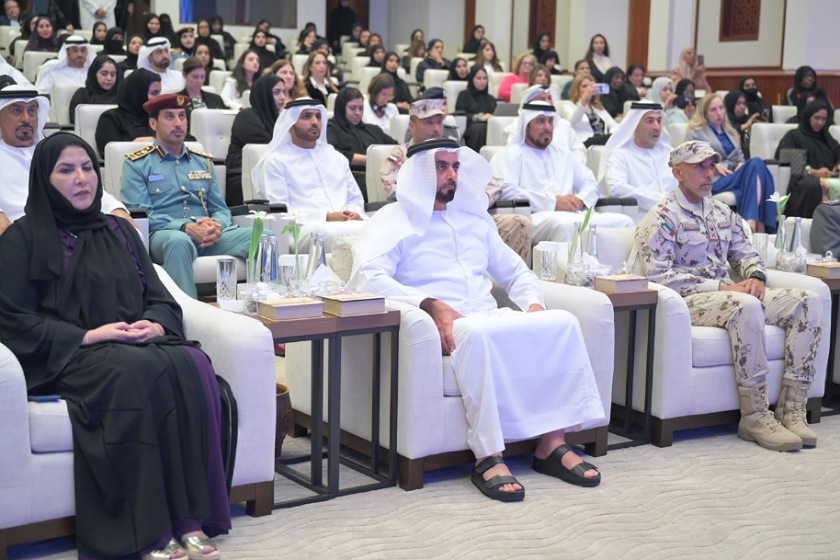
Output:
(202, 154)
(142, 152)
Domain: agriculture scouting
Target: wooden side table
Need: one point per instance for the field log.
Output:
(332, 328)
(633, 302)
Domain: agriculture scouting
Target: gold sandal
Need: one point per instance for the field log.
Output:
(194, 546)
(166, 552)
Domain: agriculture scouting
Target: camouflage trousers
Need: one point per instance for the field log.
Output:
(515, 231)
(798, 311)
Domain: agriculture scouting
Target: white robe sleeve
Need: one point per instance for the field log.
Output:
(269, 181)
(585, 185)
(355, 200)
(618, 182)
(377, 276)
(229, 95)
(507, 165)
(110, 203)
(509, 270)
(46, 78)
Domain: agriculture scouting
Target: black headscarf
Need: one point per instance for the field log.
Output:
(131, 59)
(99, 264)
(471, 46)
(93, 39)
(262, 101)
(131, 94)
(538, 52)
(614, 100)
(548, 55)
(92, 83)
(453, 74)
(37, 43)
(729, 102)
(373, 50)
(146, 34)
(482, 101)
(681, 86)
(401, 90)
(348, 138)
(800, 74)
(114, 46)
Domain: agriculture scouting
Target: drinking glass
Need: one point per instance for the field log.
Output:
(226, 278)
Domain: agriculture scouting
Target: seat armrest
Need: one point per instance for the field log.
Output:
(616, 201)
(512, 206)
(15, 445)
(371, 207)
(242, 351)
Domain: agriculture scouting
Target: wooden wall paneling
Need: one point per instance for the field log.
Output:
(469, 19)
(638, 32)
(542, 18)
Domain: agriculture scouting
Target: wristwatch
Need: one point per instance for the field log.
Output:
(758, 275)
(807, 170)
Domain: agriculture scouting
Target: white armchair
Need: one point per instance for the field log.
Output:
(431, 423)
(693, 376)
(36, 458)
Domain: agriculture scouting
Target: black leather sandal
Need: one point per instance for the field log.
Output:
(553, 466)
(490, 488)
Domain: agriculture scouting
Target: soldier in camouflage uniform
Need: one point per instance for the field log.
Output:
(427, 114)
(685, 243)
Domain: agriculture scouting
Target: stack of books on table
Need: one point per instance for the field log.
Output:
(341, 305)
(828, 270)
(344, 305)
(620, 283)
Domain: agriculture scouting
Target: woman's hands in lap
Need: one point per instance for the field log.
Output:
(139, 331)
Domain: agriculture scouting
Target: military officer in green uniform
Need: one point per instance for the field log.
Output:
(178, 188)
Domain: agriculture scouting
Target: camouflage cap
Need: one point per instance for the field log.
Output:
(693, 152)
(431, 102)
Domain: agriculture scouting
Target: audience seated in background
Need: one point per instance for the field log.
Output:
(316, 78)
(755, 103)
(688, 69)
(132, 52)
(619, 93)
(74, 58)
(336, 73)
(185, 41)
(458, 70)
(350, 135)
(11, 14)
(129, 122)
(522, 67)
(27, 27)
(254, 125)
(217, 26)
(114, 42)
(91, 14)
(10, 71)
(735, 102)
(636, 81)
(584, 111)
(434, 60)
(301, 170)
(486, 57)
(402, 94)
(635, 160)
(556, 183)
(377, 56)
(259, 40)
(272, 39)
(478, 105)
(540, 45)
(748, 179)
(306, 38)
(151, 28)
(194, 77)
(434, 249)
(426, 123)
(154, 56)
(581, 69)
(804, 80)
(43, 38)
(23, 113)
(417, 49)
(202, 53)
(686, 243)
(247, 70)
(822, 157)
(100, 85)
(472, 44)
(662, 92)
(89, 320)
(564, 135)
(598, 57)
(685, 103)
(378, 109)
(285, 70)
(541, 76)
(551, 60)
(203, 38)
(178, 188)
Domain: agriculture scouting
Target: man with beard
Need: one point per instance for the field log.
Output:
(155, 56)
(301, 170)
(23, 114)
(178, 188)
(71, 66)
(522, 374)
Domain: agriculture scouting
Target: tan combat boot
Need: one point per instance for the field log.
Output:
(790, 410)
(757, 423)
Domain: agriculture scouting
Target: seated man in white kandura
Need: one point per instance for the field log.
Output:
(553, 179)
(301, 170)
(521, 375)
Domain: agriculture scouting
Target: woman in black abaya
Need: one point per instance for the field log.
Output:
(89, 319)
